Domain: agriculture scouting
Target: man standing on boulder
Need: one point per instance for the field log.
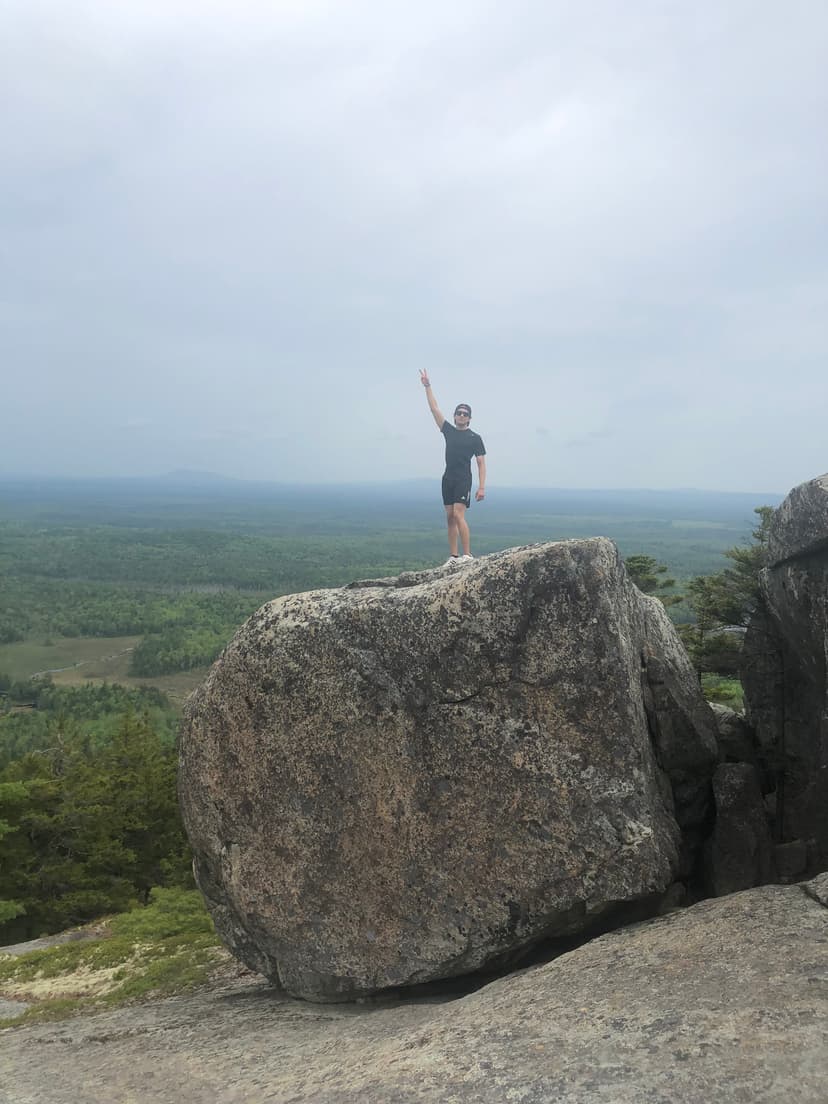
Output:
(461, 444)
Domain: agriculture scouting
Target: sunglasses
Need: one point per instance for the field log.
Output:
(462, 414)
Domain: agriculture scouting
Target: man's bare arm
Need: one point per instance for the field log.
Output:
(481, 478)
(432, 402)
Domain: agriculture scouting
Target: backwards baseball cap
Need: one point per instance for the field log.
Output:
(463, 408)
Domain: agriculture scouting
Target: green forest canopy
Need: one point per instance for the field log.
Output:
(89, 821)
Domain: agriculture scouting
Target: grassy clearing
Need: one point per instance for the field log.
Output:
(723, 691)
(167, 947)
(88, 657)
(177, 687)
(91, 659)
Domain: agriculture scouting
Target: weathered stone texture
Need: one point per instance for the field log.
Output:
(800, 524)
(784, 672)
(415, 777)
(726, 1001)
(741, 851)
(737, 739)
(791, 860)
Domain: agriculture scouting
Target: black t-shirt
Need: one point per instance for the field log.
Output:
(461, 446)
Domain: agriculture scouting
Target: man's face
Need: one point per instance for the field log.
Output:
(461, 419)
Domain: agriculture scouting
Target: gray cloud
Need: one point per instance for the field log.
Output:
(240, 229)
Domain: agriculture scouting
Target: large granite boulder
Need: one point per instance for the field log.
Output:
(417, 777)
(784, 669)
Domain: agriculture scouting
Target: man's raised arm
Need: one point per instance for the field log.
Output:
(432, 402)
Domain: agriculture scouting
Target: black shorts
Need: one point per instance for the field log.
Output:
(457, 488)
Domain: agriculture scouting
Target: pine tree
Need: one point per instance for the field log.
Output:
(726, 600)
(650, 577)
(87, 830)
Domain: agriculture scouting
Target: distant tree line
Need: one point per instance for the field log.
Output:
(49, 609)
(178, 649)
(97, 707)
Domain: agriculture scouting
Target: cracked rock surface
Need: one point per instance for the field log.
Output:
(414, 778)
(726, 1001)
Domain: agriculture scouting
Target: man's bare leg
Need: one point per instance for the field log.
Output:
(462, 528)
(451, 525)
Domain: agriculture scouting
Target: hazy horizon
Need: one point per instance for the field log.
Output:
(196, 479)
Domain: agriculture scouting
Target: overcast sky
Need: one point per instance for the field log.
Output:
(233, 231)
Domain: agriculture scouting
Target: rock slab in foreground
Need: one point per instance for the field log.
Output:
(726, 1001)
(415, 778)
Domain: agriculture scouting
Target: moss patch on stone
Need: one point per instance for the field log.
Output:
(166, 947)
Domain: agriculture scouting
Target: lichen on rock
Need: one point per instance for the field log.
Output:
(412, 778)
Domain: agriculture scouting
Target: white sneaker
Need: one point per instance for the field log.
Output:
(465, 558)
(451, 560)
